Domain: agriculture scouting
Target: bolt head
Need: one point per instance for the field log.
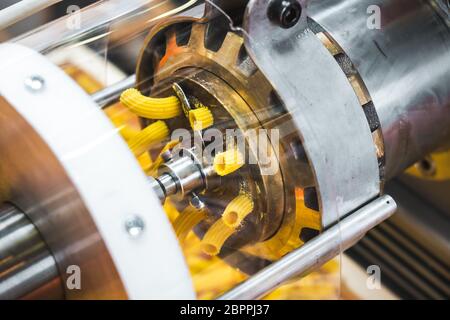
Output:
(134, 226)
(286, 13)
(35, 84)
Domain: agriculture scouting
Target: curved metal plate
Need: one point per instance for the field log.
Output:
(317, 94)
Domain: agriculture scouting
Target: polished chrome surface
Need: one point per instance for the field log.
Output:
(111, 94)
(34, 180)
(159, 188)
(26, 264)
(180, 176)
(22, 10)
(324, 107)
(405, 66)
(169, 184)
(317, 251)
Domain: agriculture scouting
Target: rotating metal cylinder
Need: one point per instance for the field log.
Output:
(27, 268)
(404, 63)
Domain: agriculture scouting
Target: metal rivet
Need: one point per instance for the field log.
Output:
(286, 13)
(35, 83)
(134, 225)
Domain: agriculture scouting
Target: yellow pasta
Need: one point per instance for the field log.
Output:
(215, 237)
(187, 220)
(151, 108)
(128, 132)
(237, 210)
(155, 132)
(228, 162)
(201, 118)
(145, 161)
(171, 211)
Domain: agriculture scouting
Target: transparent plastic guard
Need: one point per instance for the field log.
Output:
(252, 199)
(102, 33)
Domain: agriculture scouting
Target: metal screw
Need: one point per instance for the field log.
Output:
(134, 226)
(286, 13)
(35, 84)
(196, 202)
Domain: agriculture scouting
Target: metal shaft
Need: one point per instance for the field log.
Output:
(316, 252)
(21, 10)
(27, 268)
(111, 94)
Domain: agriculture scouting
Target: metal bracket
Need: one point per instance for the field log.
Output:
(324, 107)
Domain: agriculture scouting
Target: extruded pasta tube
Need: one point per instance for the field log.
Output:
(128, 132)
(215, 237)
(151, 108)
(237, 210)
(187, 220)
(228, 162)
(201, 118)
(155, 132)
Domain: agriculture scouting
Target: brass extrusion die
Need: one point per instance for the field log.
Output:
(231, 68)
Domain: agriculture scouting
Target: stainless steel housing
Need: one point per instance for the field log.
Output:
(405, 65)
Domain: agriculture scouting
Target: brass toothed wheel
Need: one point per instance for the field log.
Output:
(210, 63)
